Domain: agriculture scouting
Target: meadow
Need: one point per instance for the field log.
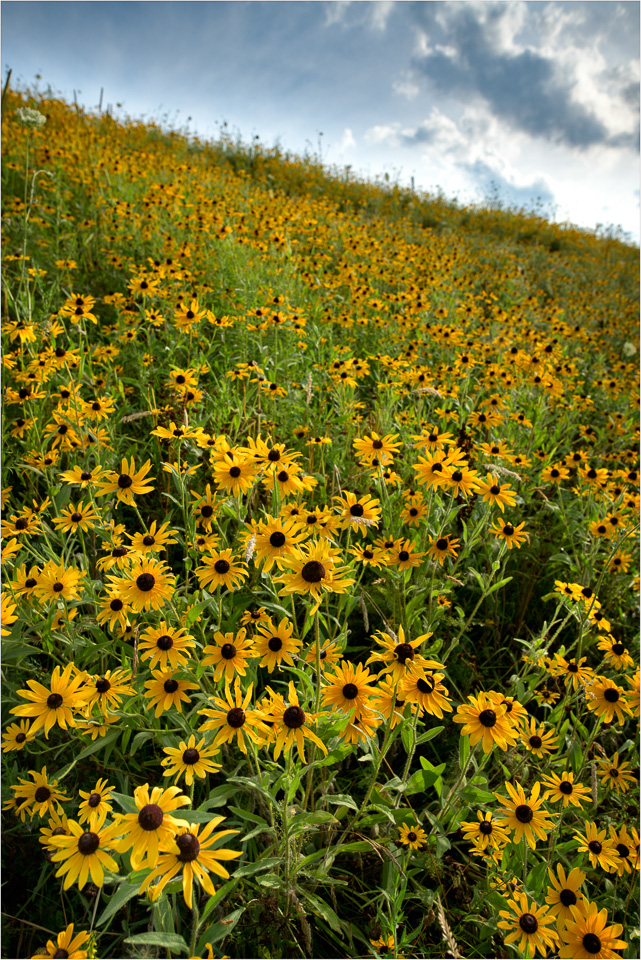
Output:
(320, 593)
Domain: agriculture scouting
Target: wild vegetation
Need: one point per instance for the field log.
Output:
(320, 596)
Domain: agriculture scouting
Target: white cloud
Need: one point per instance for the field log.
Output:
(347, 140)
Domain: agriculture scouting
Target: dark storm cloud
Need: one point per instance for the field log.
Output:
(527, 89)
(495, 187)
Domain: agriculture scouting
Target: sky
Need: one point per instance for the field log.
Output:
(535, 104)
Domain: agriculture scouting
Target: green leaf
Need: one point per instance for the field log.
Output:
(128, 804)
(123, 893)
(246, 815)
(463, 750)
(576, 757)
(170, 941)
(249, 869)
(322, 909)
(497, 586)
(99, 744)
(196, 610)
(218, 931)
(341, 799)
(14, 650)
(429, 735)
(536, 878)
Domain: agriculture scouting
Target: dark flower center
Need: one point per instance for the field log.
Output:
(592, 943)
(150, 817)
(21, 737)
(485, 827)
(294, 717)
(146, 582)
(116, 605)
(54, 700)
(403, 556)
(442, 543)
(88, 844)
(30, 582)
(404, 651)
(170, 686)
(495, 490)
(611, 695)
(189, 847)
(528, 923)
(124, 481)
(191, 756)
(487, 718)
(235, 472)
(221, 566)
(283, 476)
(595, 846)
(102, 685)
(148, 540)
(313, 571)
(236, 717)
(165, 642)
(617, 648)
(565, 787)
(42, 794)
(350, 691)
(356, 510)
(425, 686)
(457, 476)
(368, 555)
(228, 651)
(567, 898)
(274, 644)
(572, 667)
(119, 552)
(76, 517)
(508, 529)
(206, 511)
(535, 742)
(524, 813)
(622, 850)
(277, 539)
(58, 587)
(411, 836)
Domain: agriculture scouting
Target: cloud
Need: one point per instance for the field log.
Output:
(547, 88)
(491, 183)
(347, 140)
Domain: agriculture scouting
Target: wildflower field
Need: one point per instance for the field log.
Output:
(320, 597)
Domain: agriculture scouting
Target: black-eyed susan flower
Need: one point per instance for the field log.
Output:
(254, 617)
(607, 700)
(82, 855)
(389, 702)
(59, 583)
(626, 845)
(349, 689)
(56, 704)
(615, 653)
(57, 826)
(166, 691)
(329, 654)
(443, 547)
(564, 892)
(383, 448)
(536, 740)
(107, 691)
(128, 483)
(231, 718)
(411, 836)
(421, 685)
(616, 774)
(563, 788)
(95, 805)
(234, 474)
(16, 736)
(189, 759)
(154, 825)
(113, 611)
(155, 539)
(587, 937)
(228, 654)
(397, 653)
(290, 725)
(406, 556)
(314, 570)
(555, 473)
(357, 514)
(275, 644)
(597, 845)
(509, 534)
(485, 719)
(221, 569)
(166, 647)
(79, 517)
(460, 480)
(40, 796)
(25, 581)
(8, 613)
(528, 925)
(620, 562)
(190, 850)
(431, 471)
(484, 831)
(66, 945)
(148, 584)
(495, 493)
(524, 815)
(274, 538)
